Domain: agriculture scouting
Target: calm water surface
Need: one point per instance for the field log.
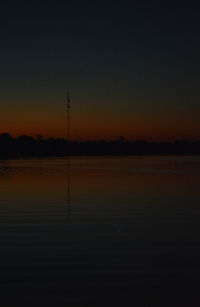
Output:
(100, 232)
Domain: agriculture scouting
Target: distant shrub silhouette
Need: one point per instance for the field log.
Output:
(28, 146)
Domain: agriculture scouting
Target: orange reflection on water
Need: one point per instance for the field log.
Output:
(96, 178)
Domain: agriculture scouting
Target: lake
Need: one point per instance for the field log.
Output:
(100, 231)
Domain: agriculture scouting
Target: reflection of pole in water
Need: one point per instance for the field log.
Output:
(68, 204)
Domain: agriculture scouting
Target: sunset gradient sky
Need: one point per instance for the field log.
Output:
(132, 68)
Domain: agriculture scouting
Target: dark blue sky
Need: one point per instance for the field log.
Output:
(132, 67)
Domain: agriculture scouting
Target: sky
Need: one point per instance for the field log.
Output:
(132, 69)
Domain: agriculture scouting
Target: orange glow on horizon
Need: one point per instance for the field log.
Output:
(99, 125)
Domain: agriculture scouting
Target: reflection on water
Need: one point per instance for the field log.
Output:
(69, 189)
(100, 231)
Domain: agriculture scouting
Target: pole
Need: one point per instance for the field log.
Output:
(69, 162)
(68, 116)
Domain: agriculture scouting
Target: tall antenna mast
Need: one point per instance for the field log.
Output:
(68, 115)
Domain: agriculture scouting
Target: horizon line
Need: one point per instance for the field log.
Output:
(41, 137)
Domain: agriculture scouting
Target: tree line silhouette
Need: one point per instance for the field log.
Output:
(28, 146)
